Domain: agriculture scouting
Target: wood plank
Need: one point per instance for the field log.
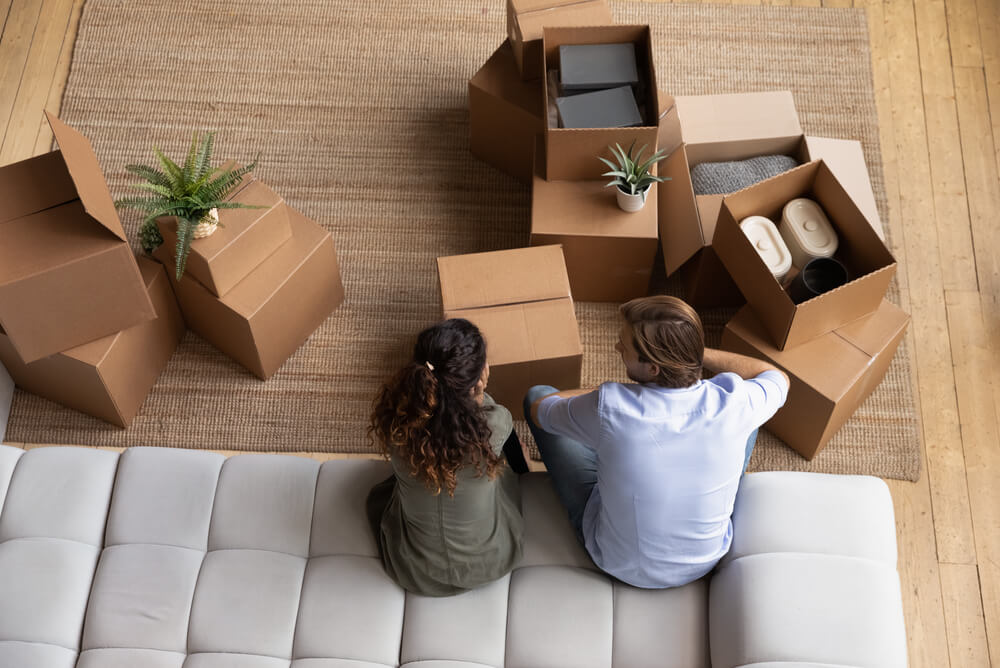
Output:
(36, 81)
(926, 639)
(939, 412)
(963, 33)
(807, 3)
(838, 3)
(958, 271)
(14, 46)
(43, 140)
(989, 39)
(963, 613)
(4, 13)
(974, 351)
(982, 183)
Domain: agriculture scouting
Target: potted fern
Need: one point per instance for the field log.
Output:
(632, 176)
(191, 193)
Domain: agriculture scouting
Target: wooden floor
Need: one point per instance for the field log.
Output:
(936, 67)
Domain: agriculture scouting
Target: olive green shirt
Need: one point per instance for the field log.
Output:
(435, 544)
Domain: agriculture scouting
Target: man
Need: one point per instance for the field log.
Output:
(648, 472)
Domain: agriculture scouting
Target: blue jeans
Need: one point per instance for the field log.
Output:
(572, 466)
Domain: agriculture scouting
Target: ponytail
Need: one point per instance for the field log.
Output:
(426, 414)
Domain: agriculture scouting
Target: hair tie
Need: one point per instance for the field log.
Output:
(429, 365)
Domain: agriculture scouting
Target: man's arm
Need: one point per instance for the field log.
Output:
(565, 394)
(719, 361)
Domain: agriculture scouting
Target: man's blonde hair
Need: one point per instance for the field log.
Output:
(667, 332)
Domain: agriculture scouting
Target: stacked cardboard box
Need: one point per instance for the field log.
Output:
(81, 322)
(520, 300)
(526, 19)
(262, 287)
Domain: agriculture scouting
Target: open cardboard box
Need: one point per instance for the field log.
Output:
(609, 252)
(505, 115)
(109, 378)
(244, 238)
(830, 375)
(520, 300)
(571, 153)
(715, 128)
(527, 18)
(67, 273)
(869, 263)
(265, 317)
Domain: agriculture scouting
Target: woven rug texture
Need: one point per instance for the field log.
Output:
(359, 111)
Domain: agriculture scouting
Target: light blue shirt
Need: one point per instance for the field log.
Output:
(669, 462)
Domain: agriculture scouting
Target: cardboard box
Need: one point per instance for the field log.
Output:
(527, 18)
(244, 238)
(717, 128)
(869, 263)
(571, 154)
(505, 115)
(830, 375)
(6, 399)
(265, 317)
(109, 378)
(520, 300)
(67, 274)
(609, 252)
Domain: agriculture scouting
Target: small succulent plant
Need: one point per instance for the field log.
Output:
(632, 174)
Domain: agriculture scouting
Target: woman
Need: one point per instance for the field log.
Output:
(449, 518)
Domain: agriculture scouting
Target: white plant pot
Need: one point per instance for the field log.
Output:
(207, 225)
(631, 203)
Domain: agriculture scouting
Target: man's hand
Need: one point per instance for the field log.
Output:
(565, 394)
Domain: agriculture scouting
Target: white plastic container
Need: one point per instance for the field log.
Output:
(807, 231)
(769, 245)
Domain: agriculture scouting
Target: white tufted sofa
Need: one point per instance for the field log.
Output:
(163, 558)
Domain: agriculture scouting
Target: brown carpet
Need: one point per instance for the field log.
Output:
(359, 111)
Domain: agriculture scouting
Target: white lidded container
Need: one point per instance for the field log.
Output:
(769, 245)
(807, 231)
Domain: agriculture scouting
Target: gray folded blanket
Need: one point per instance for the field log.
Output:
(722, 178)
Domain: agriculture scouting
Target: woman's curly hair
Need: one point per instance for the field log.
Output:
(427, 415)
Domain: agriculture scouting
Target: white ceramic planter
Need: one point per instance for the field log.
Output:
(631, 203)
(208, 225)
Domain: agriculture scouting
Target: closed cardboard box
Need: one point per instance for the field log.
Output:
(571, 154)
(109, 378)
(609, 252)
(505, 115)
(67, 274)
(527, 18)
(520, 300)
(870, 265)
(265, 317)
(831, 375)
(244, 238)
(716, 128)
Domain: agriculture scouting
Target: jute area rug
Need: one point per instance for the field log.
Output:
(360, 113)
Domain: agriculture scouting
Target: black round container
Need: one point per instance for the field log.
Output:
(821, 274)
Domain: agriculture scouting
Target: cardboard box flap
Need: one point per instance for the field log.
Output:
(680, 241)
(846, 160)
(86, 173)
(526, 332)
(35, 184)
(497, 278)
(499, 77)
(737, 116)
(872, 333)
